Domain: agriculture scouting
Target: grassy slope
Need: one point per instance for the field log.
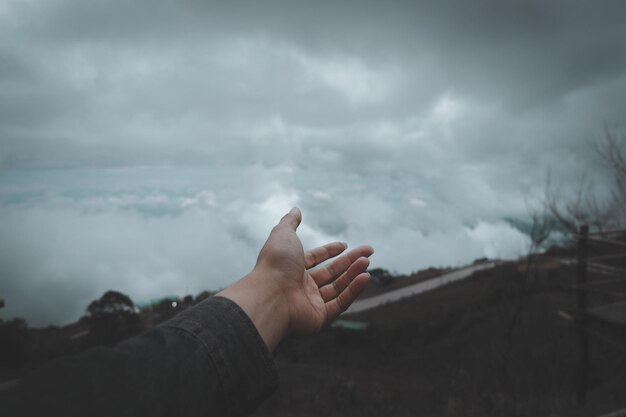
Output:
(444, 353)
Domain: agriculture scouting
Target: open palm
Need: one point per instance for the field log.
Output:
(314, 296)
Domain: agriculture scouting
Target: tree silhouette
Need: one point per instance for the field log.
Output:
(586, 207)
(112, 318)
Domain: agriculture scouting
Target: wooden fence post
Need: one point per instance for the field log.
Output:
(581, 280)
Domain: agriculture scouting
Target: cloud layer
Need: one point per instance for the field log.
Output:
(68, 236)
(143, 143)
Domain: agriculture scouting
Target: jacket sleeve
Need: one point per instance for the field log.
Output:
(209, 360)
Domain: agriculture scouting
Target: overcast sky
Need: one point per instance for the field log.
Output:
(149, 146)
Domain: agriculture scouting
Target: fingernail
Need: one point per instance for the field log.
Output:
(293, 210)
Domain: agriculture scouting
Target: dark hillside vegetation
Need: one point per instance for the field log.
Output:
(495, 344)
(455, 351)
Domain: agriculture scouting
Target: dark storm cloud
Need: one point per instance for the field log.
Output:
(424, 86)
(74, 68)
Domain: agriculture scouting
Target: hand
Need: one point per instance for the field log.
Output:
(314, 297)
(283, 295)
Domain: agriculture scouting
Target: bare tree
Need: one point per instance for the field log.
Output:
(586, 207)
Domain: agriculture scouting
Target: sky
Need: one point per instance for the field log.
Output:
(149, 146)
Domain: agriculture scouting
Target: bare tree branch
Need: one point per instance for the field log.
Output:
(586, 207)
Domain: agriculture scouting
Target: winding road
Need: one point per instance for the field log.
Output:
(418, 288)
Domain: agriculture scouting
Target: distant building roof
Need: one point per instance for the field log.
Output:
(350, 325)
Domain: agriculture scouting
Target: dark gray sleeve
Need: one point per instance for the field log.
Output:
(209, 360)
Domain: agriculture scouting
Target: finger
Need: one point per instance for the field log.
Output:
(336, 287)
(340, 304)
(291, 219)
(318, 255)
(340, 265)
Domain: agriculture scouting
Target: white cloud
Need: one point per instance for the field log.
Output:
(358, 83)
(418, 202)
(149, 232)
(499, 240)
(446, 108)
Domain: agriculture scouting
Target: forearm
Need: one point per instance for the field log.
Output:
(208, 360)
(264, 303)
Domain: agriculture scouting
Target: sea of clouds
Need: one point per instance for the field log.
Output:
(70, 235)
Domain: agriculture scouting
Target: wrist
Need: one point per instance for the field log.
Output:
(264, 302)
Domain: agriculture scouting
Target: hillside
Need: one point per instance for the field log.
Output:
(444, 353)
(494, 344)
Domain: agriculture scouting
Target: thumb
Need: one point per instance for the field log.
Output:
(292, 219)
